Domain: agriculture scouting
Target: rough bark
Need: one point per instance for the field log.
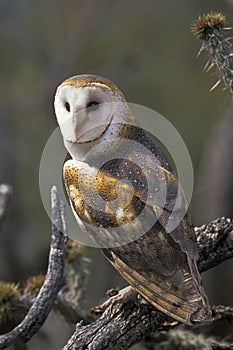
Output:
(41, 307)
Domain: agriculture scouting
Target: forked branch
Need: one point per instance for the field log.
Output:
(124, 324)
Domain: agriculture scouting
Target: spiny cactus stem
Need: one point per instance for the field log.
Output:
(210, 30)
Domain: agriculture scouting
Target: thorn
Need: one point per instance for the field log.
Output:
(215, 85)
(206, 65)
(200, 51)
(206, 68)
(211, 66)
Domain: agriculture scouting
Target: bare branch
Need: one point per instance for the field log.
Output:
(221, 346)
(124, 324)
(222, 312)
(118, 328)
(215, 243)
(40, 309)
(121, 327)
(5, 196)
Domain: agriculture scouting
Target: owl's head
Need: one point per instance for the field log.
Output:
(85, 106)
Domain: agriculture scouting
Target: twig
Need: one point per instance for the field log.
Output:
(222, 312)
(122, 325)
(40, 309)
(5, 196)
(221, 346)
(215, 243)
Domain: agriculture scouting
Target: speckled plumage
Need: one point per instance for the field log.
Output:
(115, 183)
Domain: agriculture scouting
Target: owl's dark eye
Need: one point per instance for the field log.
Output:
(93, 105)
(67, 106)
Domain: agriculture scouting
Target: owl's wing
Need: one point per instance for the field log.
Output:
(129, 225)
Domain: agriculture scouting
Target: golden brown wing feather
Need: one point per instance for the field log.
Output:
(160, 265)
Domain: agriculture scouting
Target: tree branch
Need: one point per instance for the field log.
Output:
(124, 324)
(40, 309)
(5, 196)
(215, 243)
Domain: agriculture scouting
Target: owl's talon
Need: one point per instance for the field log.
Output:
(115, 301)
(112, 292)
(96, 310)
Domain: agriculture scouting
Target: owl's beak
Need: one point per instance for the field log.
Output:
(72, 127)
(67, 130)
(79, 124)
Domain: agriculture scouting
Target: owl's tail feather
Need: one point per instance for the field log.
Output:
(191, 304)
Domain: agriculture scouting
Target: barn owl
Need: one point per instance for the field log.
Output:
(125, 195)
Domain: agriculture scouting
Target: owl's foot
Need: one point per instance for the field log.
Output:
(116, 300)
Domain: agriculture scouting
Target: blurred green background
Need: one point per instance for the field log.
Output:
(147, 49)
